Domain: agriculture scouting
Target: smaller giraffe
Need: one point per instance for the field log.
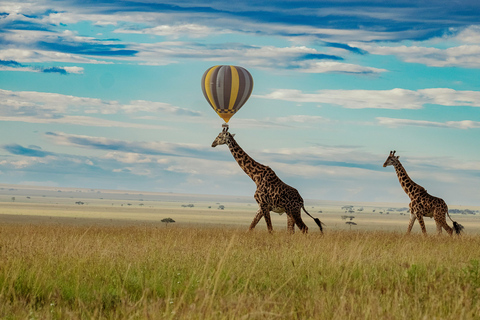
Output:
(422, 204)
(272, 194)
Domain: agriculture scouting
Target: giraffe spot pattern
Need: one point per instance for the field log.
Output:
(272, 193)
(422, 203)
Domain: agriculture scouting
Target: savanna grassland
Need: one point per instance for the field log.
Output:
(89, 254)
(54, 271)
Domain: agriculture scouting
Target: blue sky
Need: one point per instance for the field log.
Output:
(106, 95)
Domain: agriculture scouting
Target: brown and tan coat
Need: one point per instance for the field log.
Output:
(422, 204)
(272, 194)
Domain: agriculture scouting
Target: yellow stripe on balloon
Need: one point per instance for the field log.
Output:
(226, 117)
(208, 87)
(234, 88)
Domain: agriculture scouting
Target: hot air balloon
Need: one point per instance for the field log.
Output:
(226, 89)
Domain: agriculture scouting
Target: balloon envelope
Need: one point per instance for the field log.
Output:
(226, 89)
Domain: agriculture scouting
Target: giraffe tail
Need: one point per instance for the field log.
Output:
(317, 221)
(456, 226)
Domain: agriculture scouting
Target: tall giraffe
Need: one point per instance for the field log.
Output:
(272, 194)
(422, 204)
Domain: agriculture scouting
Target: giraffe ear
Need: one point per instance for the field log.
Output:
(398, 157)
(233, 135)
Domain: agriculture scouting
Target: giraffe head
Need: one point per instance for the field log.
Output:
(391, 160)
(223, 137)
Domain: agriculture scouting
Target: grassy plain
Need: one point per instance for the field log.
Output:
(140, 272)
(112, 258)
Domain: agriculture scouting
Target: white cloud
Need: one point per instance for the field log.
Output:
(303, 119)
(75, 70)
(154, 148)
(129, 157)
(26, 55)
(467, 56)
(451, 97)
(81, 121)
(153, 107)
(467, 35)
(175, 31)
(336, 67)
(353, 99)
(43, 107)
(392, 122)
(134, 170)
(380, 99)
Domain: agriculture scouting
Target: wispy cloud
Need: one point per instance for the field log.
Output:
(458, 56)
(138, 147)
(42, 107)
(81, 121)
(302, 119)
(304, 25)
(11, 65)
(380, 99)
(175, 31)
(302, 58)
(337, 67)
(393, 122)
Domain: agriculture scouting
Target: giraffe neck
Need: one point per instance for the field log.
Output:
(251, 167)
(410, 187)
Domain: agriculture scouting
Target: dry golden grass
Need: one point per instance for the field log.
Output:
(139, 272)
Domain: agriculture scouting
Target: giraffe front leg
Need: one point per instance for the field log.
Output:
(422, 223)
(263, 211)
(413, 217)
(268, 220)
(257, 218)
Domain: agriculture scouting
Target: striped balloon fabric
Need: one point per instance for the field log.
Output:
(226, 89)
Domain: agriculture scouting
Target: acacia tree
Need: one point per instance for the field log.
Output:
(167, 221)
(351, 223)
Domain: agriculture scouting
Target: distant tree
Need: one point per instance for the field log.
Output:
(221, 207)
(167, 221)
(351, 224)
(13, 199)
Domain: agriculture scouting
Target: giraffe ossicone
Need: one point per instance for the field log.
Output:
(422, 204)
(272, 194)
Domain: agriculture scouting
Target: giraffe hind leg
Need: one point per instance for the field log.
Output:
(290, 224)
(440, 219)
(296, 215)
